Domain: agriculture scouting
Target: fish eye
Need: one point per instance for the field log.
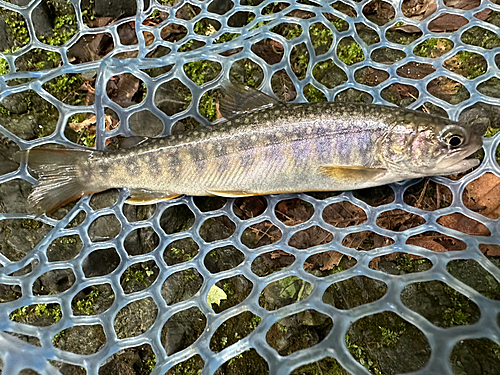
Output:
(455, 140)
(453, 137)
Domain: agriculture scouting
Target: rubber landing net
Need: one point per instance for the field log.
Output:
(397, 279)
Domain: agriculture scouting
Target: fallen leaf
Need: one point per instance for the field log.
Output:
(490, 249)
(122, 89)
(483, 15)
(85, 124)
(418, 9)
(447, 23)
(483, 196)
(90, 124)
(462, 4)
(215, 295)
(464, 224)
(333, 259)
(278, 253)
(436, 242)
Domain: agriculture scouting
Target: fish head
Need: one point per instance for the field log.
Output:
(430, 145)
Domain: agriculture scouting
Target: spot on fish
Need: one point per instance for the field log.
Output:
(253, 138)
(247, 121)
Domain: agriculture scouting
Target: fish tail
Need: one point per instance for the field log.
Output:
(61, 177)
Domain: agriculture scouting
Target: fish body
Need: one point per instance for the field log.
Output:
(280, 148)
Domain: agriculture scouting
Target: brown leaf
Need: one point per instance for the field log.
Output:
(490, 249)
(90, 124)
(122, 88)
(418, 9)
(447, 22)
(464, 224)
(437, 242)
(85, 124)
(426, 243)
(374, 263)
(278, 253)
(463, 4)
(333, 259)
(483, 196)
(483, 15)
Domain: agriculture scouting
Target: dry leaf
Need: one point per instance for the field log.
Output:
(463, 4)
(483, 196)
(333, 260)
(483, 15)
(427, 243)
(464, 224)
(490, 249)
(418, 9)
(447, 23)
(90, 124)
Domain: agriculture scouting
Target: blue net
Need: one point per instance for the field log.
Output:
(395, 279)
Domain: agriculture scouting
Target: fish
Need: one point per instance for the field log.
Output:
(265, 147)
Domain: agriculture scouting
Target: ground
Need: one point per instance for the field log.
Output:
(384, 343)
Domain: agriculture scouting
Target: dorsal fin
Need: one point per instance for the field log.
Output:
(238, 99)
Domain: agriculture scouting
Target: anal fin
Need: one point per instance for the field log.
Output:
(143, 196)
(231, 193)
(352, 173)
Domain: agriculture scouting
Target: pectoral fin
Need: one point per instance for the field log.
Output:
(142, 196)
(352, 173)
(231, 193)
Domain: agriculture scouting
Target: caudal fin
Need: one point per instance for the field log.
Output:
(60, 177)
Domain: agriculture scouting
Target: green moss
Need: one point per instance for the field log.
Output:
(86, 138)
(31, 224)
(189, 275)
(390, 337)
(406, 264)
(289, 31)
(138, 275)
(473, 63)
(186, 46)
(477, 36)
(313, 94)
(167, 2)
(433, 47)
(85, 305)
(350, 53)
(202, 71)
(228, 288)
(57, 337)
(185, 258)
(151, 363)
(226, 37)
(456, 315)
(208, 108)
(361, 354)
(491, 132)
(66, 88)
(53, 310)
(16, 29)
(4, 67)
(340, 24)
(321, 35)
(65, 24)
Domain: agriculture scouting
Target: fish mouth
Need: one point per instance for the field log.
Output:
(461, 166)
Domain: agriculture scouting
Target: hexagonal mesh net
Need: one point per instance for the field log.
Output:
(402, 278)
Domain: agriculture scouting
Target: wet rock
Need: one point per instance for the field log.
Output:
(7, 151)
(15, 103)
(14, 196)
(117, 9)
